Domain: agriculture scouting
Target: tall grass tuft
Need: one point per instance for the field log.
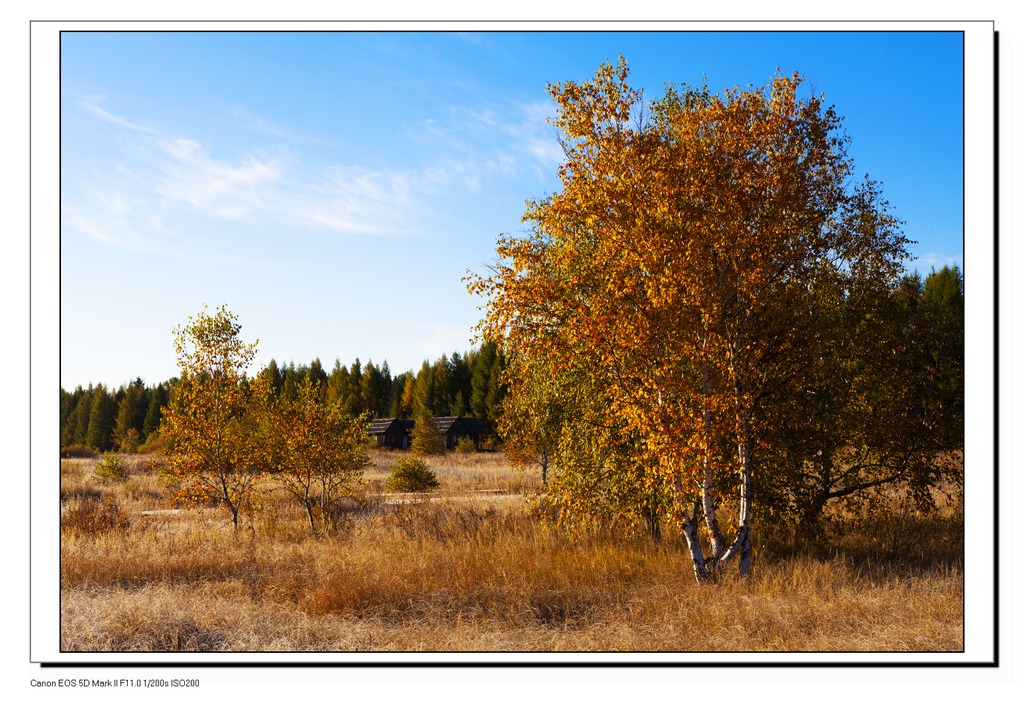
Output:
(95, 516)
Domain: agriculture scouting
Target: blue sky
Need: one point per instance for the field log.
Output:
(332, 189)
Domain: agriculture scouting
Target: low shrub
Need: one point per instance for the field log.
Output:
(111, 467)
(411, 474)
(77, 452)
(465, 446)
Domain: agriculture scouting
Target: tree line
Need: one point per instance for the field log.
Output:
(104, 419)
(466, 384)
(228, 436)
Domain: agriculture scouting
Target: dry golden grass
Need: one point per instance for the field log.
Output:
(458, 473)
(484, 575)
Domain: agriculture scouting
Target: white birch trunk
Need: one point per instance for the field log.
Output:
(700, 569)
(707, 499)
(689, 526)
(741, 545)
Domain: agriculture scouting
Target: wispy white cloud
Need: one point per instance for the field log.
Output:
(258, 124)
(349, 199)
(107, 217)
(546, 152)
(168, 182)
(91, 106)
(356, 200)
(151, 193)
(540, 139)
(493, 141)
(221, 188)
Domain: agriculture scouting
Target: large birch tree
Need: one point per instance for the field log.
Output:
(687, 264)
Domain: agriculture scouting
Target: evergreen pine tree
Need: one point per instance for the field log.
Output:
(371, 391)
(387, 390)
(495, 391)
(154, 411)
(67, 405)
(81, 417)
(101, 420)
(317, 377)
(275, 376)
(354, 403)
(290, 383)
(337, 385)
(423, 390)
(128, 422)
(461, 384)
(941, 322)
(442, 374)
(79, 405)
(480, 381)
(407, 398)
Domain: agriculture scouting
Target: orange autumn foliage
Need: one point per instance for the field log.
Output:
(683, 269)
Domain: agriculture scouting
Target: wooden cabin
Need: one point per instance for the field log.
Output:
(391, 432)
(455, 428)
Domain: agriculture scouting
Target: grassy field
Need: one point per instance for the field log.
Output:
(474, 569)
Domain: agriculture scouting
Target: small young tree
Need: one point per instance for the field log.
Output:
(320, 453)
(217, 456)
(534, 416)
(426, 437)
